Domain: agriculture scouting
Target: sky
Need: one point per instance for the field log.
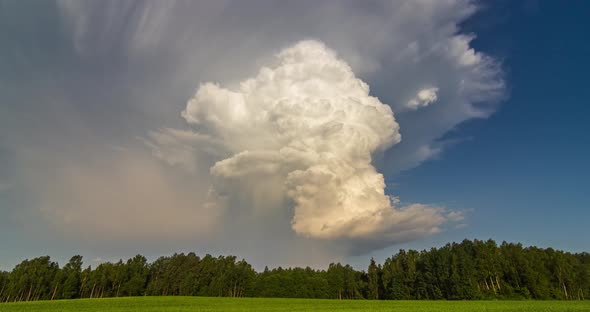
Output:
(290, 133)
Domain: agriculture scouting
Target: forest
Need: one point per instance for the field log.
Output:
(472, 269)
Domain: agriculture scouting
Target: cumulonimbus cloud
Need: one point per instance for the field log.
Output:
(309, 124)
(228, 181)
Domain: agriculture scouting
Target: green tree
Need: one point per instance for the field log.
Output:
(136, 276)
(374, 280)
(71, 273)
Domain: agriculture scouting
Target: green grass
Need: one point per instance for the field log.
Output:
(260, 304)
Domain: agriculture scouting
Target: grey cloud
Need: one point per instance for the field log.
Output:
(80, 77)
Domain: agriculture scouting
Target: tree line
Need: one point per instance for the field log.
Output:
(458, 271)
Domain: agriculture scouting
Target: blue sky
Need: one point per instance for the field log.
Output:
(85, 99)
(523, 171)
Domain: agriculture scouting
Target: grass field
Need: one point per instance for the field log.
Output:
(258, 304)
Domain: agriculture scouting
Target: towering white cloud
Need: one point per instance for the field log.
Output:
(279, 167)
(308, 124)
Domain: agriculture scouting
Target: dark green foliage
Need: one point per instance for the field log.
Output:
(32, 280)
(374, 280)
(291, 283)
(458, 271)
(70, 278)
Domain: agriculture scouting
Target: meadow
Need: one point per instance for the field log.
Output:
(275, 304)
